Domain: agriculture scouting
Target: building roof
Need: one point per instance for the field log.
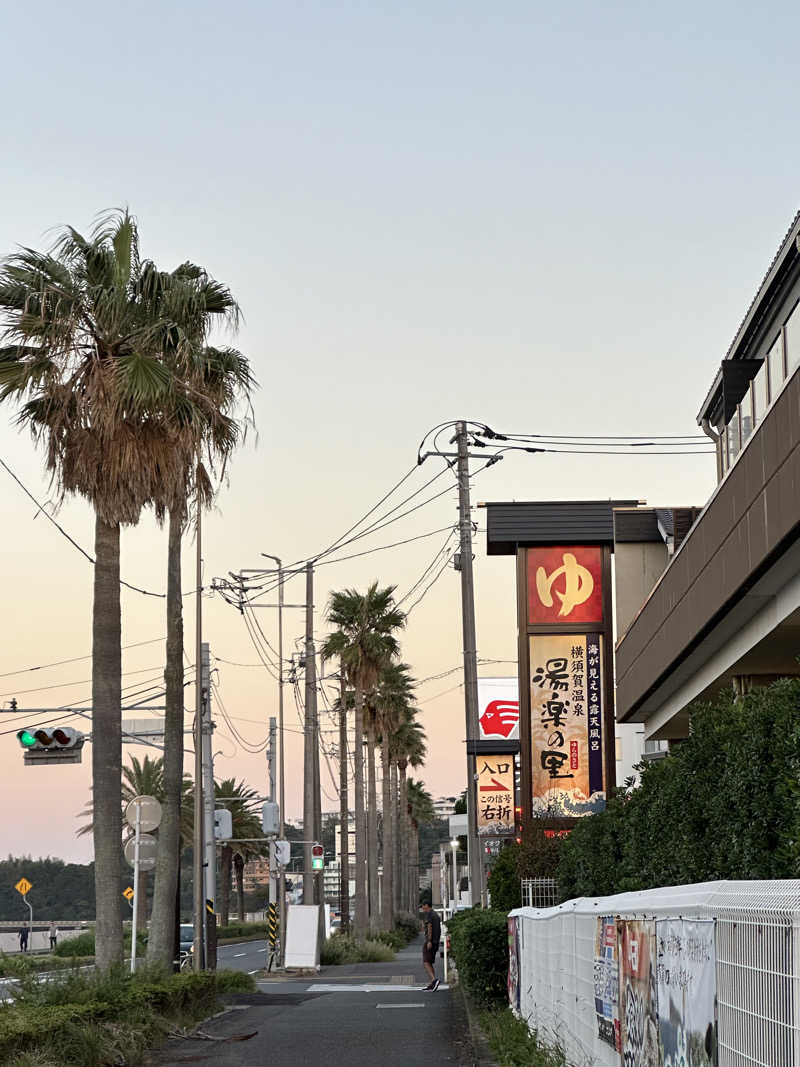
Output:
(784, 259)
(513, 524)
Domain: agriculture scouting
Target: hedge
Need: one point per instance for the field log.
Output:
(479, 944)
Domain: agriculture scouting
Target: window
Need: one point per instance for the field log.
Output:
(793, 340)
(775, 361)
(746, 417)
(760, 393)
(734, 445)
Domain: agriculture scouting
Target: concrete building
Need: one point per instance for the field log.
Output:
(723, 604)
(444, 806)
(256, 875)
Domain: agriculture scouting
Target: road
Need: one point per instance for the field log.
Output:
(247, 956)
(354, 1016)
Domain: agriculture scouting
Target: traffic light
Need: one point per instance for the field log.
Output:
(317, 857)
(59, 745)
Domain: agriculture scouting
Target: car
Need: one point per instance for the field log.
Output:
(187, 937)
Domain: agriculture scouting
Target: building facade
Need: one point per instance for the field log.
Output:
(725, 609)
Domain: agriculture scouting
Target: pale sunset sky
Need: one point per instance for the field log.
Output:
(550, 218)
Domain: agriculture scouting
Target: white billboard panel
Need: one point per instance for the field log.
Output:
(498, 709)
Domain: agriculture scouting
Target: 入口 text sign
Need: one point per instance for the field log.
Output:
(495, 795)
(565, 585)
(566, 724)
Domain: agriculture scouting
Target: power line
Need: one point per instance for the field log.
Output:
(76, 659)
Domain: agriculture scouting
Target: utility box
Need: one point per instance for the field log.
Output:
(270, 817)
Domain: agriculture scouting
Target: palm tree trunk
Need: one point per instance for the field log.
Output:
(226, 856)
(361, 915)
(238, 863)
(160, 945)
(107, 745)
(414, 865)
(387, 909)
(372, 830)
(344, 814)
(396, 884)
(403, 835)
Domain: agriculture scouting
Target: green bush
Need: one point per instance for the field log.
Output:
(514, 1044)
(393, 938)
(93, 1019)
(80, 945)
(237, 929)
(341, 948)
(479, 944)
(723, 805)
(407, 924)
(505, 887)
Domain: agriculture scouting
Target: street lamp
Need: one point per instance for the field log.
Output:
(454, 846)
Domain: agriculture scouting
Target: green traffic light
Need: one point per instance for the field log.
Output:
(26, 738)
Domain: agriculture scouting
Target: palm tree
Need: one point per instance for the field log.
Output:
(420, 809)
(393, 699)
(364, 642)
(209, 383)
(411, 752)
(242, 803)
(77, 353)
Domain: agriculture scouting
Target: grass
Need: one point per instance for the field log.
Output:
(16, 965)
(90, 1019)
(344, 949)
(515, 1045)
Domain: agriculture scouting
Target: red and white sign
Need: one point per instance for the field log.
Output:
(498, 709)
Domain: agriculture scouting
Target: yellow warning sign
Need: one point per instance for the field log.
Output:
(128, 893)
(23, 886)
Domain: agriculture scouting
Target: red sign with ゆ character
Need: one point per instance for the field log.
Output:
(565, 584)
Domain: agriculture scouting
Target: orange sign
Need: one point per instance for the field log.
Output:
(565, 584)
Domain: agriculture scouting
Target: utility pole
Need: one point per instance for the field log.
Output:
(273, 874)
(199, 900)
(470, 662)
(309, 741)
(210, 844)
(344, 815)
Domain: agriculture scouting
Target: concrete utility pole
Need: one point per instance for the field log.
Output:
(199, 899)
(470, 662)
(273, 873)
(344, 815)
(309, 742)
(210, 868)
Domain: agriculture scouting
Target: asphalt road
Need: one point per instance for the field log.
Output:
(247, 956)
(364, 1015)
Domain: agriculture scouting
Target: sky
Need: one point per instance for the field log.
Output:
(550, 218)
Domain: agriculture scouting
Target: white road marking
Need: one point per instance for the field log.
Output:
(255, 971)
(323, 987)
(236, 955)
(400, 1005)
(261, 950)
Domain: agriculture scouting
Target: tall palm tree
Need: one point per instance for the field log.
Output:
(242, 803)
(363, 640)
(393, 699)
(77, 354)
(208, 386)
(411, 752)
(420, 807)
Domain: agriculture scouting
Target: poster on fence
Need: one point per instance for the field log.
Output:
(636, 946)
(606, 981)
(687, 988)
(513, 964)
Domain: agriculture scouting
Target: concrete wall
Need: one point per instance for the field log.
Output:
(637, 568)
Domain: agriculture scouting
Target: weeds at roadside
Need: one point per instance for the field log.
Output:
(515, 1045)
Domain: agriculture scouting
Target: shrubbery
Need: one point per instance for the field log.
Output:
(515, 1045)
(341, 948)
(479, 944)
(237, 929)
(90, 1019)
(722, 805)
(407, 924)
(83, 944)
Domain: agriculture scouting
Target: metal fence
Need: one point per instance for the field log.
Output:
(539, 892)
(757, 952)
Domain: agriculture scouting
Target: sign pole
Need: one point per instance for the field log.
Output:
(135, 904)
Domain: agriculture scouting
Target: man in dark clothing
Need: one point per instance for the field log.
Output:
(23, 939)
(432, 934)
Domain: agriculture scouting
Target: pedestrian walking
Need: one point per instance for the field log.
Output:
(23, 939)
(430, 946)
(53, 936)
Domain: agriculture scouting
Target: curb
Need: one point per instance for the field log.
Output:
(479, 1046)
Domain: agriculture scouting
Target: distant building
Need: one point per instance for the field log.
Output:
(444, 806)
(256, 875)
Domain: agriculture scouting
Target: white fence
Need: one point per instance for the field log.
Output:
(756, 946)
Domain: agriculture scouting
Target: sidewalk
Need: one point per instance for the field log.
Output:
(357, 1015)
